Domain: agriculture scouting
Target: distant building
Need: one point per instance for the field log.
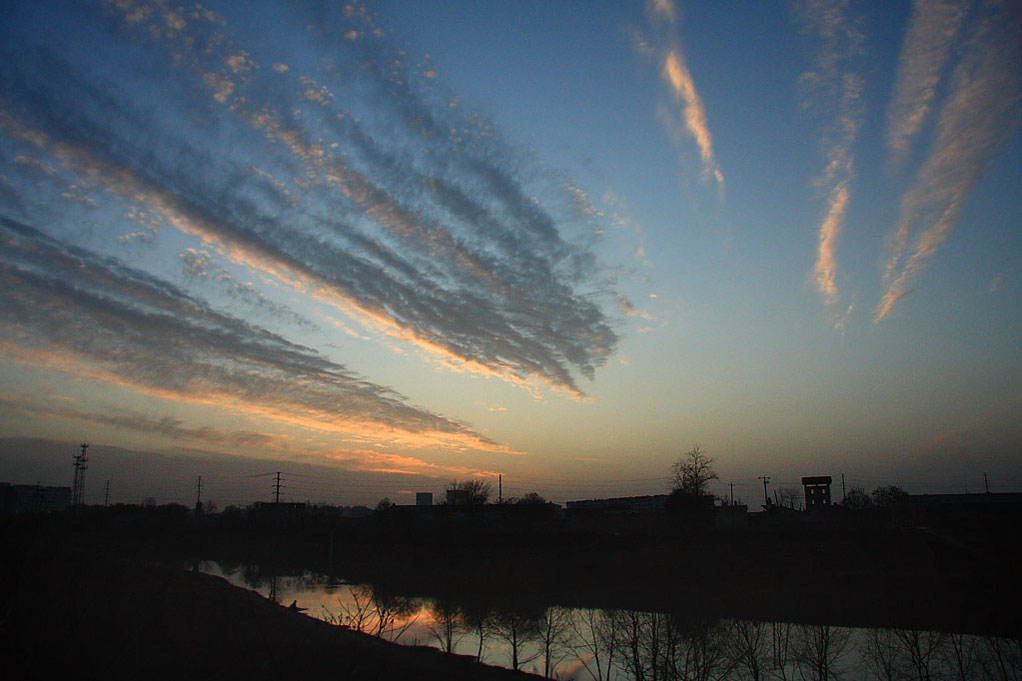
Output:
(733, 517)
(33, 498)
(939, 510)
(643, 504)
(817, 491)
(456, 497)
(423, 498)
(278, 507)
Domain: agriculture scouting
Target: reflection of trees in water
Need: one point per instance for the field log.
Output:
(375, 612)
(912, 654)
(623, 645)
(252, 575)
(477, 619)
(895, 654)
(782, 651)
(620, 645)
(645, 646)
(447, 623)
(1001, 658)
(960, 656)
(595, 641)
(555, 638)
(517, 630)
(748, 646)
(819, 651)
(660, 647)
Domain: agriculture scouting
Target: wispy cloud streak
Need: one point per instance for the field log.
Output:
(666, 47)
(932, 31)
(826, 260)
(978, 117)
(395, 207)
(70, 309)
(833, 86)
(167, 426)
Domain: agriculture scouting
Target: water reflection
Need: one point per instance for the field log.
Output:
(591, 644)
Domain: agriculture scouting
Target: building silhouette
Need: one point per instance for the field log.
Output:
(817, 491)
(33, 498)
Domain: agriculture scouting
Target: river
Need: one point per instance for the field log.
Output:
(592, 644)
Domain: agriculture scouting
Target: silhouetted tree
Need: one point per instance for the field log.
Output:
(921, 650)
(655, 646)
(960, 656)
(393, 614)
(477, 618)
(532, 498)
(748, 646)
(595, 641)
(380, 614)
(702, 655)
(640, 642)
(692, 472)
(517, 630)
(554, 638)
(1001, 658)
(446, 625)
(782, 650)
(888, 495)
(895, 654)
(819, 650)
(479, 491)
(857, 500)
(883, 655)
(788, 496)
(357, 614)
(384, 504)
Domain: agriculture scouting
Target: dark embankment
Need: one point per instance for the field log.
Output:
(841, 573)
(70, 612)
(847, 570)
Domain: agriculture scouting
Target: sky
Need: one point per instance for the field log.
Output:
(381, 246)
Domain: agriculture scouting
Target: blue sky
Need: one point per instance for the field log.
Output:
(403, 243)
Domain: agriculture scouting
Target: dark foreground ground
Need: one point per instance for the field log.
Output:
(95, 594)
(68, 614)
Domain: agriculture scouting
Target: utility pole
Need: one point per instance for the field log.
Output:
(81, 464)
(500, 488)
(106, 494)
(276, 489)
(198, 495)
(842, 488)
(732, 493)
(766, 497)
(986, 483)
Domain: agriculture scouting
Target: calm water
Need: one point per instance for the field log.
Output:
(627, 645)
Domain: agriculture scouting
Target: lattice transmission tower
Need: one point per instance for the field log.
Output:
(81, 464)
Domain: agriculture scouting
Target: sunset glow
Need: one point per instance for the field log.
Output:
(406, 243)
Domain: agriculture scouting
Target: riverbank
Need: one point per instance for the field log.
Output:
(87, 581)
(72, 613)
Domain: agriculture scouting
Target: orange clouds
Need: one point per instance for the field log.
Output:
(677, 74)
